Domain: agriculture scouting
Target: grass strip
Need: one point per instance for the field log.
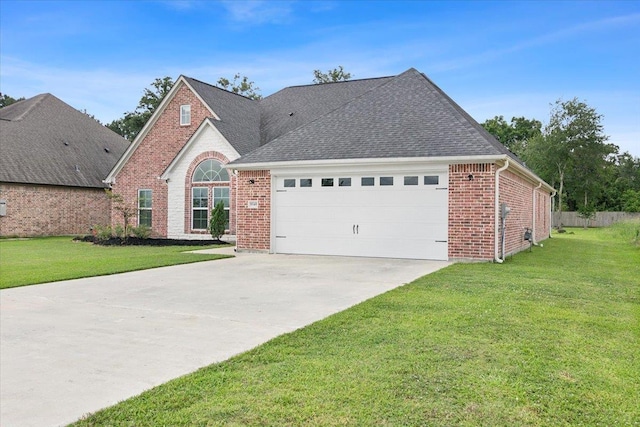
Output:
(40, 260)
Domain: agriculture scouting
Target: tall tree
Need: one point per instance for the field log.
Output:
(572, 152)
(514, 135)
(133, 121)
(240, 85)
(335, 75)
(6, 100)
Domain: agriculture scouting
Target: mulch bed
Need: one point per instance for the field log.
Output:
(136, 241)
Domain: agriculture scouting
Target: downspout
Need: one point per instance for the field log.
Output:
(553, 204)
(533, 228)
(496, 215)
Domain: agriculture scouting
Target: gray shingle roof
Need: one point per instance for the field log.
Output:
(239, 116)
(402, 116)
(45, 141)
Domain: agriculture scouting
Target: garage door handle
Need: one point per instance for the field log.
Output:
(354, 229)
(357, 229)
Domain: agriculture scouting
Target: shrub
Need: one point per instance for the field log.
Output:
(102, 232)
(141, 231)
(218, 221)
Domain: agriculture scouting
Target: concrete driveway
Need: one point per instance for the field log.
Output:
(73, 347)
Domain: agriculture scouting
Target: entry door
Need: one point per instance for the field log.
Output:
(371, 215)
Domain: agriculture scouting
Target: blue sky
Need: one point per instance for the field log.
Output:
(493, 58)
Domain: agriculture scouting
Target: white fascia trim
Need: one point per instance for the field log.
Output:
(363, 162)
(111, 178)
(206, 123)
(529, 175)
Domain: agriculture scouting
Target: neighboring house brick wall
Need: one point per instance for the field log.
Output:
(254, 225)
(44, 210)
(471, 211)
(159, 147)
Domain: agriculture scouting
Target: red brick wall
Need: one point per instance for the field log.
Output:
(254, 225)
(156, 151)
(43, 210)
(471, 211)
(517, 193)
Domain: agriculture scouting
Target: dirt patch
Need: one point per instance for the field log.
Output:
(136, 241)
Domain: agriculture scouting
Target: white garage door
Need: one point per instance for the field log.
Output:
(377, 215)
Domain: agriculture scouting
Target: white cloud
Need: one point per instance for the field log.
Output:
(255, 12)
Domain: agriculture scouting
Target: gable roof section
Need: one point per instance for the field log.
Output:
(46, 141)
(178, 158)
(235, 116)
(238, 116)
(406, 116)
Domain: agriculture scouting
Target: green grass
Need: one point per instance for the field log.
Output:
(549, 337)
(40, 260)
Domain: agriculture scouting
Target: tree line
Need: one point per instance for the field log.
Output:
(570, 152)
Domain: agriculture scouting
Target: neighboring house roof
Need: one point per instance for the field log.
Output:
(46, 141)
(395, 117)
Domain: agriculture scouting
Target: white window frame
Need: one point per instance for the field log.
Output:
(145, 208)
(185, 115)
(204, 209)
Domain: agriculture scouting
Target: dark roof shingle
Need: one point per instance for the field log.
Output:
(45, 141)
(394, 117)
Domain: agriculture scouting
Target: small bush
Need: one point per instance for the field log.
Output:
(118, 231)
(102, 232)
(141, 232)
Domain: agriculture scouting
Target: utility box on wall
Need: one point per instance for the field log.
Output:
(3, 207)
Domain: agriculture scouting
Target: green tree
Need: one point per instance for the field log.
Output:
(218, 220)
(631, 201)
(514, 135)
(335, 75)
(6, 100)
(133, 121)
(240, 85)
(572, 152)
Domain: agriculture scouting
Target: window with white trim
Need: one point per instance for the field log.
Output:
(221, 194)
(200, 208)
(209, 186)
(144, 207)
(185, 115)
(210, 171)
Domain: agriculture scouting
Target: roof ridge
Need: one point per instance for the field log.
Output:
(32, 102)
(459, 111)
(218, 87)
(340, 82)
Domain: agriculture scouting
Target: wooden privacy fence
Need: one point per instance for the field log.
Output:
(602, 219)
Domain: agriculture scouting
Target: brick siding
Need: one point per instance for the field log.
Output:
(155, 152)
(254, 225)
(518, 194)
(471, 211)
(46, 210)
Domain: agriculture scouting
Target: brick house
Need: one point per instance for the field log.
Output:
(382, 167)
(53, 159)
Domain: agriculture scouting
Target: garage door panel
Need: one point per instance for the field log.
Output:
(375, 221)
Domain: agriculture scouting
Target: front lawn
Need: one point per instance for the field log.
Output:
(32, 261)
(549, 337)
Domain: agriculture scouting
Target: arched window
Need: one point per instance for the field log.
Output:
(209, 186)
(210, 171)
